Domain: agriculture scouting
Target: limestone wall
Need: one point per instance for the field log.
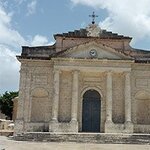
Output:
(141, 96)
(95, 81)
(41, 91)
(15, 106)
(35, 94)
(118, 115)
(6, 125)
(65, 43)
(40, 105)
(65, 96)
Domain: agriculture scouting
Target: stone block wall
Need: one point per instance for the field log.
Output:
(15, 106)
(40, 109)
(65, 98)
(95, 81)
(141, 97)
(6, 125)
(65, 43)
(35, 95)
(118, 115)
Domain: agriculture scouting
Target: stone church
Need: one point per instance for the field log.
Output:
(90, 80)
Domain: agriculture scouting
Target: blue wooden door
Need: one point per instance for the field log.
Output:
(91, 110)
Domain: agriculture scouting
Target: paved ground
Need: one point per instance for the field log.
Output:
(7, 144)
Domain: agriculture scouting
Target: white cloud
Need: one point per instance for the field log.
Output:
(31, 7)
(129, 17)
(8, 36)
(9, 66)
(10, 42)
(39, 40)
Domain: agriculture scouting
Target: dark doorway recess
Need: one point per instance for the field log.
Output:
(91, 111)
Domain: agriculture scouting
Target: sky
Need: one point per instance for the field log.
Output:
(33, 23)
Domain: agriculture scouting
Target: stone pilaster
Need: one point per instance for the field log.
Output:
(19, 122)
(55, 105)
(55, 125)
(128, 121)
(109, 123)
(109, 97)
(74, 107)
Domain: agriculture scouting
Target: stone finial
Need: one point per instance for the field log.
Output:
(93, 30)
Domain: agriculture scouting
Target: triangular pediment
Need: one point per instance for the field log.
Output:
(93, 50)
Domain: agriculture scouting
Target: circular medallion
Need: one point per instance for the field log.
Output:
(93, 53)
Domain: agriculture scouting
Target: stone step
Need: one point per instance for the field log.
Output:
(85, 138)
(6, 133)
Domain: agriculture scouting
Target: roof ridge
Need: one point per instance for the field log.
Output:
(82, 33)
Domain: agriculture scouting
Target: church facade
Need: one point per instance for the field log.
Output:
(90, 80)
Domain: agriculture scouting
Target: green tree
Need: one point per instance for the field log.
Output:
(6, 103)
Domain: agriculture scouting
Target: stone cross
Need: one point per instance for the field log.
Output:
(93, 16)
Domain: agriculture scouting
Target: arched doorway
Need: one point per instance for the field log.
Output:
(91, 110)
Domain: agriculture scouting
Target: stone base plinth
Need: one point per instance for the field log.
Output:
(71, 127)
(6, 133)
(129, 127)
(111, 127)
(18, 128)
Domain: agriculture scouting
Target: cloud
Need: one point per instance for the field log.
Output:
(31, 7)
(39, 40)
(9, 74)
(8, 36)
(127, 17)
(10, 41)
(10, 44)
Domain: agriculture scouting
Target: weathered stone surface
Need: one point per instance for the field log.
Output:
(54, 79)
(86, 138)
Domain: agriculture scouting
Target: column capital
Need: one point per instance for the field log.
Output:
(75, 71)
(127, 72)
(109, 72)
(57, 71)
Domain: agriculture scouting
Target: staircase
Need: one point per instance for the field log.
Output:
(101, 138)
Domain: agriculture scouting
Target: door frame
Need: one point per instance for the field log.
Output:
(98, 89)
(91, 110)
